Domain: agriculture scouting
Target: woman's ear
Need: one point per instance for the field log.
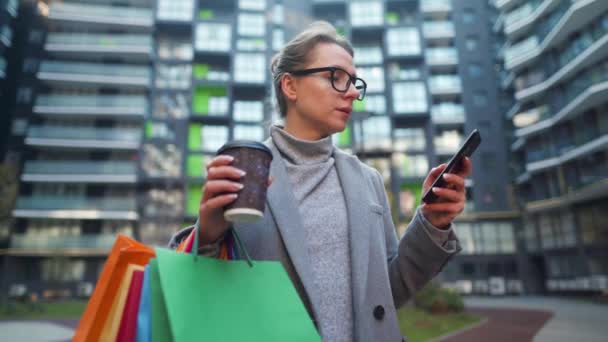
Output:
(289, 86)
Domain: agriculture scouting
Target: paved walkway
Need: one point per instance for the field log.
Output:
(517, 319)
(37, 331)
(537, 319)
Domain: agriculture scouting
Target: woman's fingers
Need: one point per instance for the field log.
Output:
(433, 175)
(449, 195)
(214, 187)
(218, 201)
(454, 208)
(224, 172)
(454, 181)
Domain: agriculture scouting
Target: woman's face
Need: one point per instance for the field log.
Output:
(315, 109)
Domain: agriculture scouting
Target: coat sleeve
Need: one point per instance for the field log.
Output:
(210, 250)
(415, 259)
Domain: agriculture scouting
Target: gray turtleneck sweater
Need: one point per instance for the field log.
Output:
(315, 184)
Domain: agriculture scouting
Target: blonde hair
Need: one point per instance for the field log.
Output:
(295, 54)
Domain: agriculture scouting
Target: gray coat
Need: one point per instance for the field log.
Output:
(385, 271)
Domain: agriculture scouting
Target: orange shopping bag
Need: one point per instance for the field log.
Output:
(124, 252)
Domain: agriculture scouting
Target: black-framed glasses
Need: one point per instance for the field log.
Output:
(340, 79)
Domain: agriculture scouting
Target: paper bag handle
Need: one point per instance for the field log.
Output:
(240, 245)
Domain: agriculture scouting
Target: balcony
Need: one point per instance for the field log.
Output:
(448, 113)
(445, 85)
(84, 137)
(92, 105)
(584, 51)
(567, 18)
(523, 18)
(552, 155)
(438, 30)
(505, 5)
(521, 51)
(584, 92)
(119, 75)
(70, 207)
(40, 244)
(132, 45)
(441, 57)
(80, 171)
(78, 14)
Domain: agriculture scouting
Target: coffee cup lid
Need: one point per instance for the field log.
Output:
(244, 143)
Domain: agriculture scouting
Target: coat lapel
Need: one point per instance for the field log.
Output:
(284, 208)
(352, 181)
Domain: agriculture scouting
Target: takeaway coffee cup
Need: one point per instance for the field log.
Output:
(254, 158)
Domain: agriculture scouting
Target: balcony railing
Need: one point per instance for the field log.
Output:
(522, 12)
(85, 133)
(94, 72)
(436, 6)
(448, 113)
(441, 56)
(438, 29)
(516, 53)
(445, 84)
(92, 104)
(88, 42)
(58, 202)
(42, 167)
(25, 241)
(116, 15)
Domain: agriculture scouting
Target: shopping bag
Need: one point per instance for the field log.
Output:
(144, 325)
(112, 323)
(161, 331)
(128, 322)
(219, 300)
(124, 251)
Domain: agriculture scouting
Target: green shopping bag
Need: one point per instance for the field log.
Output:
(208, 299)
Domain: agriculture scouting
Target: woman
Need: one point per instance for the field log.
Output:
(327, 217)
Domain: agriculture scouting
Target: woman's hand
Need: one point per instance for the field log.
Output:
(221, 188)
(452, 198)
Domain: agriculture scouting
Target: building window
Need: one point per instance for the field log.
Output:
(474, 70)
(248, 111)
(480, 99)
(278, 14)
(471, 43)
(403, 41)
(251, 44)
(411, 165)
(409, 139)
(368, 55)
(248, 132)
(251, 25)
(278, 39)
(469, 16)
(62, 270)
(212, 37)
(374, 77)
(376, 132)
(173, 76)
(366, 13)
(409, 97)
(174, 106)
(178, 10)
(179, 48)
(249, 68)
(254, 5)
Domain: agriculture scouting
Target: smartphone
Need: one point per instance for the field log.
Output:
(466, 150)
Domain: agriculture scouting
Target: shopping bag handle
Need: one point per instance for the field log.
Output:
(240, 245)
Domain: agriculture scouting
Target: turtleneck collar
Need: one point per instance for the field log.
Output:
(298, 151)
